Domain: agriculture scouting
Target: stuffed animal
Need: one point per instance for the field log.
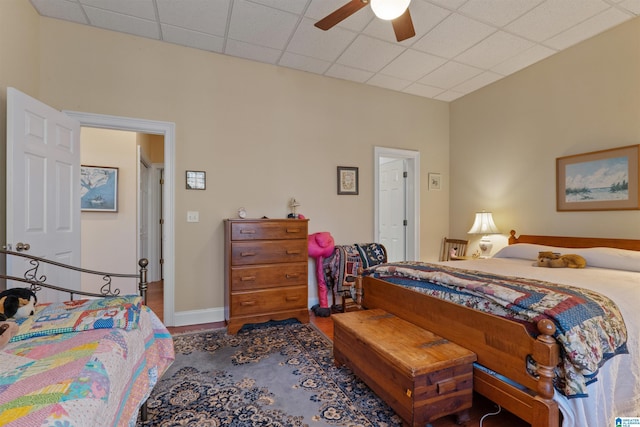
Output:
(17, 303)
(321, 245)
(555, 260)
(7, 331)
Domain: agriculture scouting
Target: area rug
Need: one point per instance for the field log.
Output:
(277, 374)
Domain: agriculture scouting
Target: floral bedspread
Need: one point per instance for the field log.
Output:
(590, 328)
(97, 376)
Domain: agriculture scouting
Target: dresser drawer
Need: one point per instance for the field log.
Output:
(283, 229)
(268, 252)
(268, 276)
(271, 300)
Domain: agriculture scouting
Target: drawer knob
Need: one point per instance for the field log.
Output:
(247, 253)
(247, 303)
(247, 278)
(249, 231)
(293, 252)
(291, 276)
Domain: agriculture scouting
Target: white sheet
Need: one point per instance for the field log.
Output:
(617, 391)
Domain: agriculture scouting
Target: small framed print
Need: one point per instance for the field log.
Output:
(347, 180)
(435, 181)
(98, 189)
(196, 180)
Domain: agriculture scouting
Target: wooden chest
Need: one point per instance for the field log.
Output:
(419, 374)
(266, 268)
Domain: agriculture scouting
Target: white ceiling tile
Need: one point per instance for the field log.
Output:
(348, 73)
(631, 5)
(261, 25)
(412, 64)
(252, 52)
(122, 23)
(449, 96)
(554, 16)
(211, 17)
(367, 53)
(449, 4)
(493, 50)
(388, 82)
(192, 39)
(475, 83)
(325, 45)
(139, 8)
(304, 63)
(497, 12)
(589, 28)
(522, 60)
(452, 36)
(60, 9)
(450, 75)
(423, 90)
(293, 6)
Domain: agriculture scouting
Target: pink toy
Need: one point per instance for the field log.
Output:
(321, 245)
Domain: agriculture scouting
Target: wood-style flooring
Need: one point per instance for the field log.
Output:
(481, 406)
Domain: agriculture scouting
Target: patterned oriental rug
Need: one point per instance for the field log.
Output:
(277, 374)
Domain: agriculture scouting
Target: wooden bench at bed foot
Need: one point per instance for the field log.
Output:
(420, 375)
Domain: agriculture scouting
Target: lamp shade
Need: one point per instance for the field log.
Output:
(484, 224)
(389, 9)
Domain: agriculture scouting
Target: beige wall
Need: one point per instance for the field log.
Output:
(505, 137)
(109, 238)
(262, 133)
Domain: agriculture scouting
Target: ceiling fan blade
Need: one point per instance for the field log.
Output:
(340, 14)
(403, 26)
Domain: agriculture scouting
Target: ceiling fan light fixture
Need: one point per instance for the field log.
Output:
(389, 9)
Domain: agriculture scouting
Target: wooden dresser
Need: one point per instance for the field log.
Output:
(266, 268)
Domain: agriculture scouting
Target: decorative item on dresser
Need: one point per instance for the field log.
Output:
(266, 268)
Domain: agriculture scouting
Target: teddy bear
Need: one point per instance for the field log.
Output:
(7, 331)
(555, 260)
(17, 303)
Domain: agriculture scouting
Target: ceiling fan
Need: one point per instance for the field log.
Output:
(396, 11)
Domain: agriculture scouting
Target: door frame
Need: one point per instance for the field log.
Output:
(412, 159)
(167, 129)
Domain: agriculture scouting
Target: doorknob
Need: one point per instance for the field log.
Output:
(22, 246)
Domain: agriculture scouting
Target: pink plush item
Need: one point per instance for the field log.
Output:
(321, 245)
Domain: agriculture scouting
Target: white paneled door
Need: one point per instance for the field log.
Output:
(43, 188)
(392, 209)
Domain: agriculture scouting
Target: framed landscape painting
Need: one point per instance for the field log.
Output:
(598, 181)
(98, 189)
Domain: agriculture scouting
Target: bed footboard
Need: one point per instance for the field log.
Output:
(36, 280)
(502, 347)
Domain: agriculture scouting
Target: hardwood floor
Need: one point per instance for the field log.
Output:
(481, 405)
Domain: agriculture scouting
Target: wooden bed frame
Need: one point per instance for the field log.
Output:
(501, 345)
(36, 280)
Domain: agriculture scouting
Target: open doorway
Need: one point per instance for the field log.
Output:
(167, 196)
(397, 202)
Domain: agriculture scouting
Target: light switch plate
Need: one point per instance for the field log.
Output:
(193, 216)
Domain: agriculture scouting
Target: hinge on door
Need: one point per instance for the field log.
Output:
(161, 221)
(161, 181)
(405, 222)
(161, 261)
(405, 174)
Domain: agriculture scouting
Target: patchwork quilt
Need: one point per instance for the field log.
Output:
(590, 328)
(92, 363)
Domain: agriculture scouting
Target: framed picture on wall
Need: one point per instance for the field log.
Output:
(347, 180)
(98, 188)
(598, 181)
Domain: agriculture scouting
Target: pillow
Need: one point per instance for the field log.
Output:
(611, 258)
(121, 312)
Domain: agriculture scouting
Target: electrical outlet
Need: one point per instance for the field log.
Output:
(193, 216)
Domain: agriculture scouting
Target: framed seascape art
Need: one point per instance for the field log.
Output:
(347, 180)
(598, 181)
(98, 189)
